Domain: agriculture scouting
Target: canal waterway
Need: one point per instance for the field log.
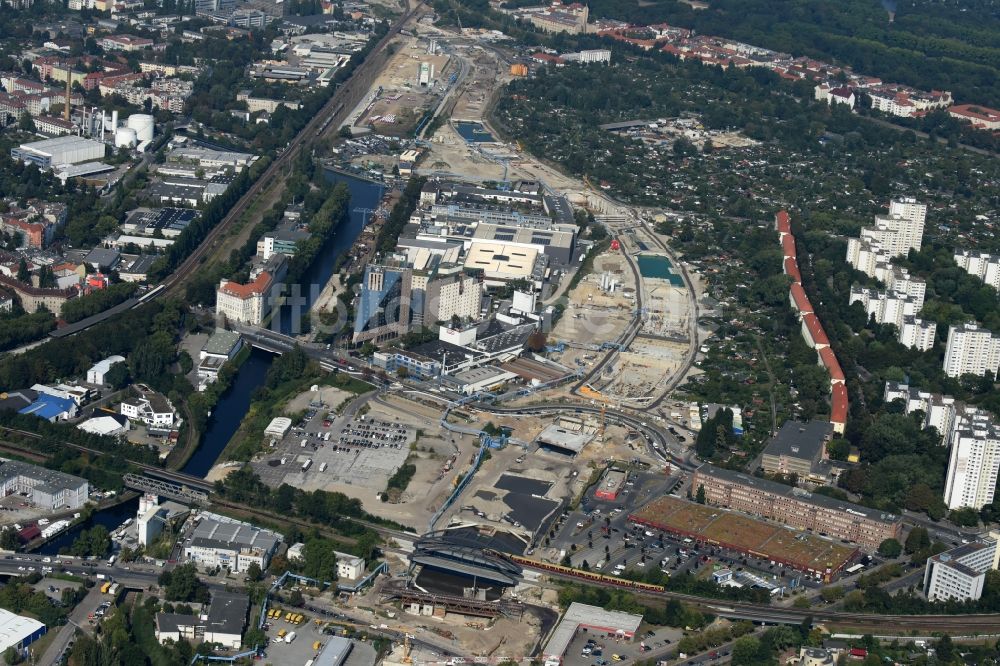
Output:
(233, 405)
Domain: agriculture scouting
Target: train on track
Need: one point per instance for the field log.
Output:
(591, 576)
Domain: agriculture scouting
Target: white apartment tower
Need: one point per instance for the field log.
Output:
(971, 350)
(982, 265)
(973, 463)
(916, 333)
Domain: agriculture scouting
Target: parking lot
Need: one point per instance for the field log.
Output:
(324, 451)
(598, 649)
(303, 646)
(600, 535)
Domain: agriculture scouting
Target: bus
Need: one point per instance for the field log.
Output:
(306, 464)
(854, 569)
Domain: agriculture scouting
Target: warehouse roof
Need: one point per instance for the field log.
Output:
(47, 480)
(15, 628)
(335, 651)
(592, 617)
(797, 439)
(231, 535)
(228, 613)
(221, 342)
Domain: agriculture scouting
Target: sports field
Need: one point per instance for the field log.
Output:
(714, 525)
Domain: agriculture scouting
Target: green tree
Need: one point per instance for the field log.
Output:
(8, 539)
(253, 571)
(746, 651)
(182, 584)
(23, 273)
(917, 539)
(890, 548)
(964, 517)
(699, 496)
(26, 124)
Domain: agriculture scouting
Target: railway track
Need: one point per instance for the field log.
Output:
(968, 624)
(343, 100)
(986, 623)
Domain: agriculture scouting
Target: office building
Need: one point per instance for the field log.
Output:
(973, 462)
(148, 407)
(982, 265)
(959, 574)
(971, 350)
(218, 541)
(383, 306)
(47, 488)
(349, 566)
(795, 507)
(797, 448)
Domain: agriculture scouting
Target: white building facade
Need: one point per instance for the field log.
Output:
(959, 573)
(971, 350)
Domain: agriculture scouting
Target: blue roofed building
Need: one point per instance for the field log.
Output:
(51, 408)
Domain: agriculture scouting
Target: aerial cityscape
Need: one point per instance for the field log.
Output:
(510, 332)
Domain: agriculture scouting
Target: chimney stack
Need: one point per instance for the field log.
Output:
(69, 88)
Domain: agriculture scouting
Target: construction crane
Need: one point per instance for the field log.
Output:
(407, 648)
(589, 391)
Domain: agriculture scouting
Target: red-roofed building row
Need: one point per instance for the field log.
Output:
(829, 360)
(782, 222)
(812, 331)
(838, 408)
(788, 245)
(792, 269)
(812, 328)
(800, 302)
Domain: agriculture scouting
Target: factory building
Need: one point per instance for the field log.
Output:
(60, 150)
(47, 488)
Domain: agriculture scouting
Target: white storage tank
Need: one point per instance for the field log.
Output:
(143, 126)
(125, 137)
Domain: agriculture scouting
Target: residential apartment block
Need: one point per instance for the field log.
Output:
(971, 350)
(982, 265)
(973, 463)
(796, 508)
(898, 309)
(959, 573)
